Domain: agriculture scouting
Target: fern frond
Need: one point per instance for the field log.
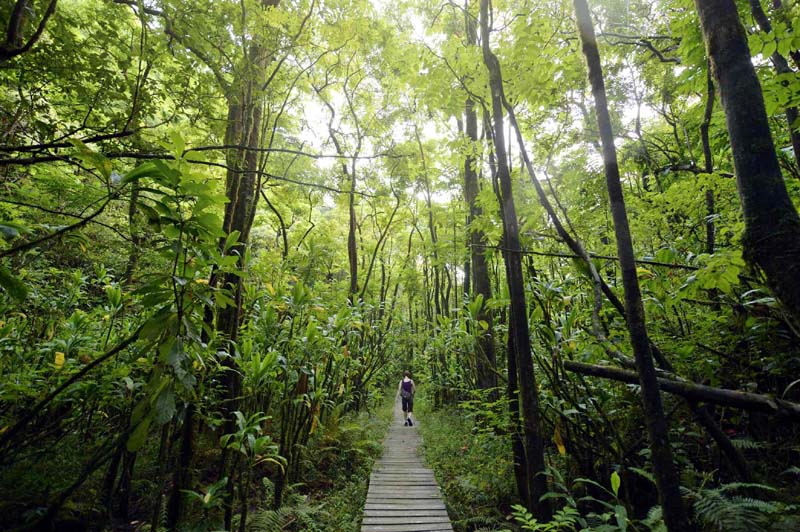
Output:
(719, 511)
(746, 444)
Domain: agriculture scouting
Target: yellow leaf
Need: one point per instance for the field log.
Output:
(270, 289)
(315, 419)
(201, 281)
(644, 273)
(59, 360)
(562, 450)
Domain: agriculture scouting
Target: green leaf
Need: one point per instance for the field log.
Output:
(148, 169)
(165, 405)
(139, 434)
(622, 517)
(615, 483)
(769, 48)
(178, 143)
(12, 285)
(12, 230)
(231, 240)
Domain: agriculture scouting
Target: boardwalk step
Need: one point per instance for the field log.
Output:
(432, 527)
(403, 494)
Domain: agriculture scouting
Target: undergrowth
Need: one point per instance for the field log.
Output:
(467, 448)
(471, 464)
(335, 473)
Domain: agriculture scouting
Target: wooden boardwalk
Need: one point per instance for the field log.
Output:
(403, 495)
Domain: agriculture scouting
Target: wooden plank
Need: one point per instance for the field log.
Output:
(428, 486)
(422, 504)
(404, 503)
(406, 512)
(399, 481)
(419, 494)
(404, 482)
(419, 507)
(406, 520)
(432, 527)
(403, 495)
(426, 493)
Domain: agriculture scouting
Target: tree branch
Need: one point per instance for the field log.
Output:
(695, 392)
(8, 50)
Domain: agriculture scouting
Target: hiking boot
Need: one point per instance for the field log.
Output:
(410, 423)
(406, 423)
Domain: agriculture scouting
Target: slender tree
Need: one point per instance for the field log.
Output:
(666, 474)
(781, 66)
(486, 360)
(518, 322)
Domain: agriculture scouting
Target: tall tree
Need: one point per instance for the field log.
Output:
(518, 322)
(657, 428)
(771, 237)
(486, 360)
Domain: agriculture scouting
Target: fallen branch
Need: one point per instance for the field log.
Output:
(695, 392)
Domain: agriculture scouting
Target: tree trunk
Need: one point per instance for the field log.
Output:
(243, 130)
(665, 471)
(352, 247)
(163, 454)
(529, 402)
(517, 446)
(486, 360)
(771, 237)
(708, 161)
(244, 126)
(125, 481)
(181, 476)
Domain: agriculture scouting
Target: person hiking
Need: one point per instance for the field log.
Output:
(407, 389)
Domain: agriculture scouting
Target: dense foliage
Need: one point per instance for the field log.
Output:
(228, 226)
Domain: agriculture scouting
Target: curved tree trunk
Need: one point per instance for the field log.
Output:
(665, 471)
(771, 237)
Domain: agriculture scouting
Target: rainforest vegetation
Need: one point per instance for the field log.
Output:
(228, 226)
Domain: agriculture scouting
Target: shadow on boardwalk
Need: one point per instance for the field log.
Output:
(403, 495)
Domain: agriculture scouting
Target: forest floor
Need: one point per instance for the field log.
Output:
(471, 466)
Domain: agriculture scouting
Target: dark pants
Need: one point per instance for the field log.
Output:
(408, 404)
